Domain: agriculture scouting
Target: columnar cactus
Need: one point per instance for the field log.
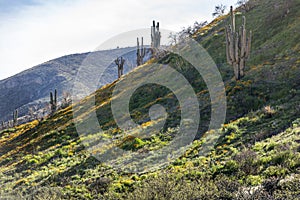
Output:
(120, 63)
(15, 118)
(140, 52)
(238, 46)
(10, 124)
(155, 36)
(55, 97)
(53, 101)
(2, 125)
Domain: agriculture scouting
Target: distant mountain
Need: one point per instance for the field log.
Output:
(32, 87)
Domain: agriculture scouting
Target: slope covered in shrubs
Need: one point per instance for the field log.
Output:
(256, 157)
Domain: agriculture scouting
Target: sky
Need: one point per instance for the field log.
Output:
(35, 31)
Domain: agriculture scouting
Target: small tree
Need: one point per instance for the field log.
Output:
(190, 30)
(246, 5)
(66, 100)
(173, 38)
(243, 4)
(184, 33)
(198, 25)
(33, 112)
(219, 10)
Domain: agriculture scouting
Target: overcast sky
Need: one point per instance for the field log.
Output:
(35, 31)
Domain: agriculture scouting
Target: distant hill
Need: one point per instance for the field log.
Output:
(32, 87)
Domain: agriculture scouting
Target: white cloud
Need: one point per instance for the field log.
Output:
(40, 32)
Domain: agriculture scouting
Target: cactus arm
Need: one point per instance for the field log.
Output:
(243, 38)
(232, 46)
(232, 15)
(227, 45)
(51, 98)
(55, 98)
(249, 45)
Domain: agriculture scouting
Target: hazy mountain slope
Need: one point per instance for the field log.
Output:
(33, 85)
(256, 157)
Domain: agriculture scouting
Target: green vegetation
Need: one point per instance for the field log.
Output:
(256, 157)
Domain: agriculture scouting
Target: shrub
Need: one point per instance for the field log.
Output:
(271, 184)
(253, 180)
(171, 187)
(247, 162)
(219, 10)
(282, 158)
(288, 189)
(131, 143)
(269, 111)
(231, 167)
(40, 192)
(99, 185)
(277, 171)
(226, 187)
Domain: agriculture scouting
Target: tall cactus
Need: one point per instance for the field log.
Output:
(15, 117)
(120, 63)
(155, 36)
(238, 46)
(2, 125)
(53, 101)
(10, 124)
(140, 52)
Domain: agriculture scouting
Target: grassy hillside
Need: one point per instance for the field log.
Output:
(256, 157)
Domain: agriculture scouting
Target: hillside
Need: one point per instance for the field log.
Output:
(256, 155)
(32, 87)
